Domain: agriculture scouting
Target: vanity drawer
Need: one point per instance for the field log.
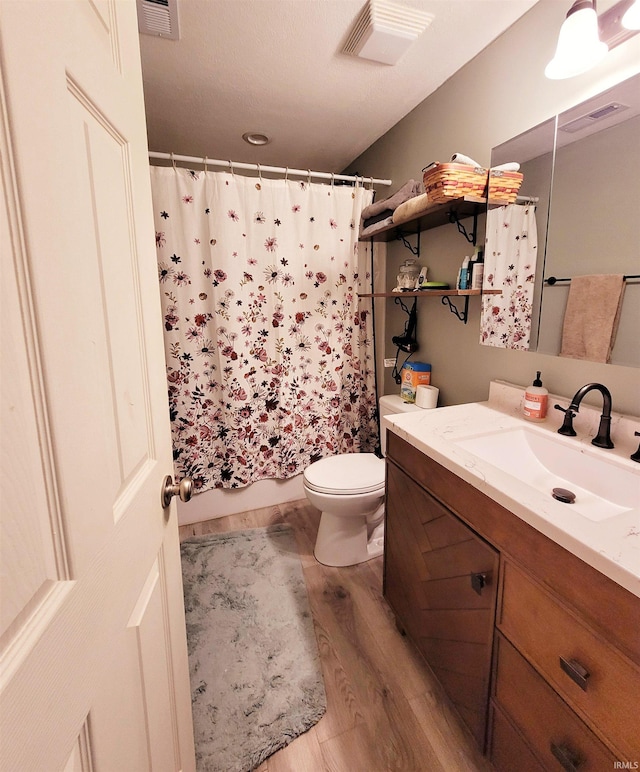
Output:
(598, 682)
(507, 750)
(553, 732)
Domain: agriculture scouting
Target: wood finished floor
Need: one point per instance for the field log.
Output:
(385, 710)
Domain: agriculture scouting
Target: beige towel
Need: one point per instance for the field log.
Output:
(375, 227)
(591, 317)
(408, 190)
(411, 208)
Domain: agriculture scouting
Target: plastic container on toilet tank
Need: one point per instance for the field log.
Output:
(412, 375)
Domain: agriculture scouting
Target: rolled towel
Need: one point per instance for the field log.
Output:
(411, 208)
(371, 230)
(377, 217)
(408, 190)
(458, 158)
(510, 167)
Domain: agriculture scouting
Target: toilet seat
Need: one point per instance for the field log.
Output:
(347, 474)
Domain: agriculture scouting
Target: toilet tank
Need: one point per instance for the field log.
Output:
(390, 404)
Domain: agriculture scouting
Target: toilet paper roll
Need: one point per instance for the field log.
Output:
(427, 396)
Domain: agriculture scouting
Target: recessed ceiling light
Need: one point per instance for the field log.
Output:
(255, 139)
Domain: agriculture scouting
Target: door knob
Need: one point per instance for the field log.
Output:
(170, 489)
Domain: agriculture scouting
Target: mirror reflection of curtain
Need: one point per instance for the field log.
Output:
(511, 250)
(269, 357)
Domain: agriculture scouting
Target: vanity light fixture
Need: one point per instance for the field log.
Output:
(579, 45)
(631, 18)
(585, 37)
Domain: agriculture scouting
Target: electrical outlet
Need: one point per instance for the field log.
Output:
(389, 362)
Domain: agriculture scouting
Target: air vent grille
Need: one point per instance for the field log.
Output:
(159, 18)
(383, 31)
(577, 124)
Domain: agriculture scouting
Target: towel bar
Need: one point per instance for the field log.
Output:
(553, 280)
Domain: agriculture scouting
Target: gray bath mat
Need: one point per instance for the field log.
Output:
(256, 681)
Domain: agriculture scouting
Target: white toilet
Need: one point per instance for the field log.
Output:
(349, 491)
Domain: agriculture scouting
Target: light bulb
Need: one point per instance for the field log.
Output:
(579, 45)
(631, 18)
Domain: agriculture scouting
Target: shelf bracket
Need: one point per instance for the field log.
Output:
(399, 302)
(470, 237)
(462, 315)
(401, 236)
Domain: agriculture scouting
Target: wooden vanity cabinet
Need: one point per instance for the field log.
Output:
(441, 581)
(565, 675)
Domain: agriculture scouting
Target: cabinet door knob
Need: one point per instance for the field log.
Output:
(568, 758)
(575, 671)
(479, 582)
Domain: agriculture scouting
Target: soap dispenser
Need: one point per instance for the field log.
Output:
(536, 399)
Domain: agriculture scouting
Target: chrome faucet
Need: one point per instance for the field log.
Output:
(603, 438)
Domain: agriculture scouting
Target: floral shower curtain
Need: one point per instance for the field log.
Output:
(269, 355)
(510, 255)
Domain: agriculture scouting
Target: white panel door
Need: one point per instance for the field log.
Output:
(93, 655)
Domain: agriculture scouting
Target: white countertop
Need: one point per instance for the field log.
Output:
(612, 546)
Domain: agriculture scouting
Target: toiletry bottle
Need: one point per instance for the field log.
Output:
(477, 274)
(536, 398)
(474, 259)
(463, 283)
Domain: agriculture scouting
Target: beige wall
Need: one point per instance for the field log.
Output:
(498, 95)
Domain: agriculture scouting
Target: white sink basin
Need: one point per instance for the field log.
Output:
(603, 487)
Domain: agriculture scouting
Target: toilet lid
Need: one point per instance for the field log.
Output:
(347, 473)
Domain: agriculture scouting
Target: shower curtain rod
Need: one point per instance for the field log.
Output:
(259, 168)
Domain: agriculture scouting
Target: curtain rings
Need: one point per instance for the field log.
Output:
(259, 172)
(370, 183)
(205, 164)
(286, 174)
(309, 177)
(231, 168)
(173, 161)
(333, 174)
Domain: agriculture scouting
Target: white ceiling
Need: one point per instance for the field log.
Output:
(275, 67)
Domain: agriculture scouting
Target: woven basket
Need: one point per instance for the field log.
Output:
(442, 182)
(504, 186)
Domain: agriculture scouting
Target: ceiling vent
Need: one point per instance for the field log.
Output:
(577, 124)
(159, 18)
(384, 30)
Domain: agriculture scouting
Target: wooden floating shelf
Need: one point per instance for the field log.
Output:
(429, 293)
(433, 216)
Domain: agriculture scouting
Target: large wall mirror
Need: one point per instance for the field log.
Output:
(583, 169)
